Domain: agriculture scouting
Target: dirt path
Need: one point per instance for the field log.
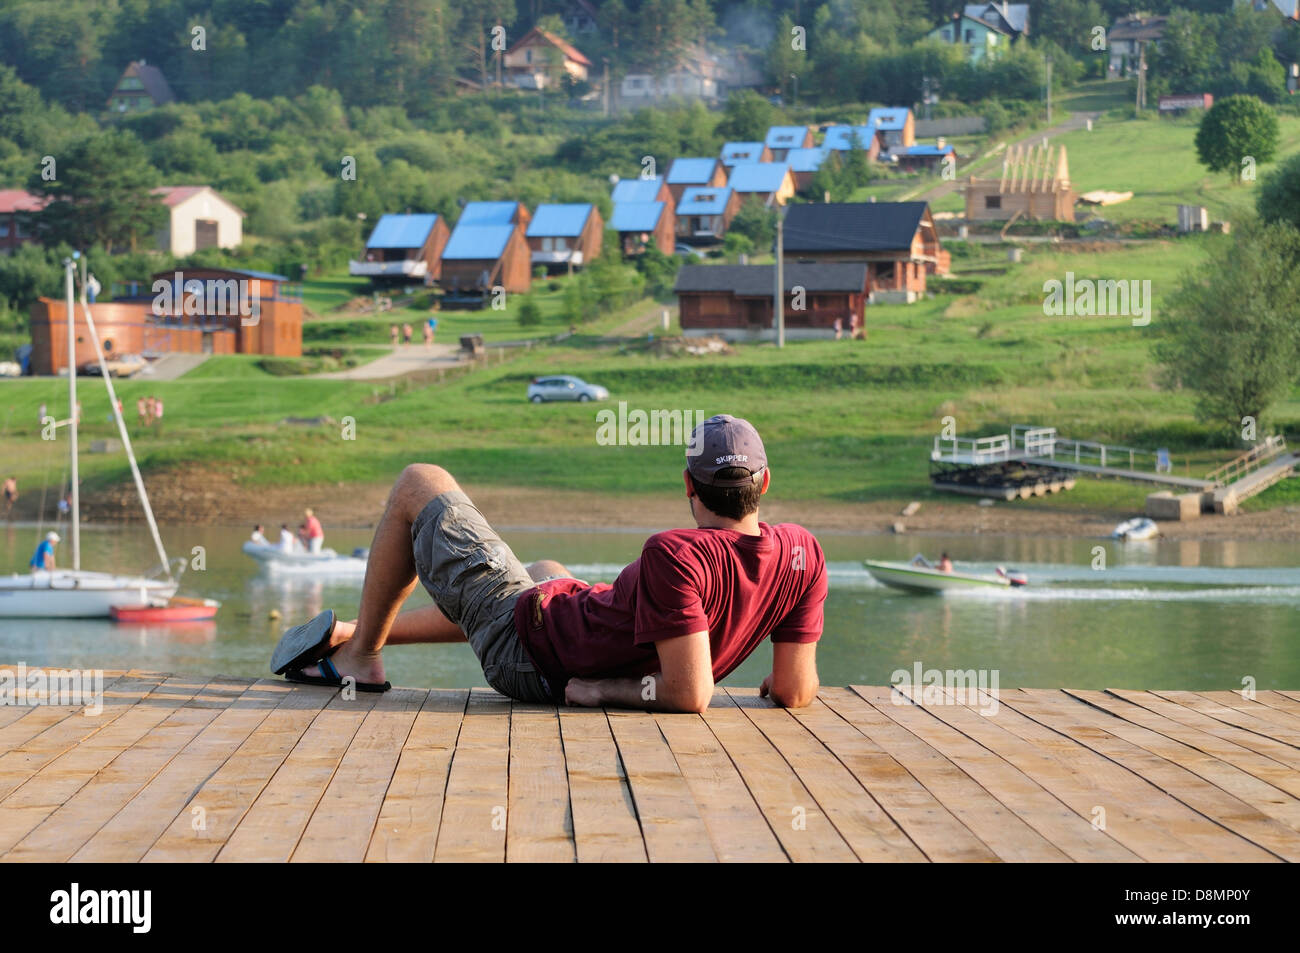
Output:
(400, 361)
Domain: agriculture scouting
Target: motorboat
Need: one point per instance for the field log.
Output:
(167, 611)
(919, 575)
(69, 593)
(1135, 529)
(325, 562)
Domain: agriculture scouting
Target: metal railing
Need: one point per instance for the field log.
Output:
(1044, 442)
(973, 449)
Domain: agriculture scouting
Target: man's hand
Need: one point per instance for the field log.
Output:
(582, 693)
(793, 682)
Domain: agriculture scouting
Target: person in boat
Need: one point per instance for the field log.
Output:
(43, 558)
(310, 532)
(945, 564)
(287, 539)
(676, 621)
(259, 536)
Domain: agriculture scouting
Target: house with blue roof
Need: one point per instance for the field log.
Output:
(704, 213)
(770, 182)
(894, 124)
(563, 237)
(737, 152)
(842, 138)
(781, 139)
(487, 249)
(685, 173)
(644, 215)
(403, 248)
(923, 156)
(805, 162)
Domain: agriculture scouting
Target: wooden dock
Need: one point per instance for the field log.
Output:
(179, 768)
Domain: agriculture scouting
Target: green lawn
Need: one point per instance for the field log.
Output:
(842, 420)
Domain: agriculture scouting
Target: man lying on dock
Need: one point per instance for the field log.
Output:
(680, 618)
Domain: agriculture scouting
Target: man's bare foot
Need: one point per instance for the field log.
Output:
(351, 661)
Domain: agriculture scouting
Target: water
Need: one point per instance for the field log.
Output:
(1186, 615)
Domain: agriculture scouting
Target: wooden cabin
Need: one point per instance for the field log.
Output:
(734, 153)
(1034, 184)
(565, 237)
(704, 214)
(487, 249)
(686, 173)
(404, 248)
(771, 182)
(736, 301)
(781, 139)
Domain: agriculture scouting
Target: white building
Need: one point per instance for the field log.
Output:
(198, 218)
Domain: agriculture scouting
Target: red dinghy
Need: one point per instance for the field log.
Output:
(176, 610)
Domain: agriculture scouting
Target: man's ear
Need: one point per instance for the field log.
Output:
(767, 479)
(690, 487)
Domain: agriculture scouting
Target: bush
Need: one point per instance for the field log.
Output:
(530, 314)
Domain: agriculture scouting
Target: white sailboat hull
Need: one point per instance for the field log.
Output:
(76, 594)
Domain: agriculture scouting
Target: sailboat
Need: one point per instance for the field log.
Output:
(76, 592)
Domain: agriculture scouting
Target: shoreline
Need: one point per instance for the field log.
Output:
(213, 499)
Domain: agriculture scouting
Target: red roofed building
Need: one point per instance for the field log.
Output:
(540, 59)
(15, 206)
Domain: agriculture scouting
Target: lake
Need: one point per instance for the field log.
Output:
(1184, 615)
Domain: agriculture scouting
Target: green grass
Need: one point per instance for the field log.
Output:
(843, 421)
(325, 294)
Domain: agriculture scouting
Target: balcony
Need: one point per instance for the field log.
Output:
(404, 268)
(561, 257)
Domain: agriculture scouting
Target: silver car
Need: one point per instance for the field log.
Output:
(564, 387)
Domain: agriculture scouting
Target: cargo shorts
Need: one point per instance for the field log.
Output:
(475, 580)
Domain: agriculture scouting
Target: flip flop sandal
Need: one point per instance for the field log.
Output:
(304, 644)
(331, 678)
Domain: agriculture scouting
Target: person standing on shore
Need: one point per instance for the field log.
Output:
(158, 413)
(141, 411)
(10, 494)
(407, 332)
(394, 331)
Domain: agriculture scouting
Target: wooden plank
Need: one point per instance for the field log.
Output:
(407, 828)
(270, 829)
(344, 820)
(48, 715)
(59, 780)
(1243, 774)
(926, 822)
(670, 821)
(133, 829)
(1171, 711)
(1278, 701)
(1285, 734)
(1219, 823)
(853, 810)
(1153, 824)
(1022, 794)
(223, 798)
(539, 824)
(1262, 713)
(474, 815)
(805, 832)
(605, 826)
(61, 834)
(1001, 830)
(736, 826)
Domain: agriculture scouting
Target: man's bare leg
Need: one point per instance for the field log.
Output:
(428, 624)
(390, 576)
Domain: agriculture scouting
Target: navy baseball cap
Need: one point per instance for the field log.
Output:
(723, 442)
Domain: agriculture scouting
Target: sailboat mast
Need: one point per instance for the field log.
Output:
(75, 536)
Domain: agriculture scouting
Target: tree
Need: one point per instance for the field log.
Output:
(1233, 329)
(1236, 128)
(1278, 198)
(746, 117)
(756, 222)
(100, 194)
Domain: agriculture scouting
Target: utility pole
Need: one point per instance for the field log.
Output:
(1141, 79)
(606, 87)
(1049, 90)
(779, 302)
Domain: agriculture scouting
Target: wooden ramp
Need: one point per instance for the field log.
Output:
(179, 768)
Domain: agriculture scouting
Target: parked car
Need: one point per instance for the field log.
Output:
(564, 387)
(688, 251)
(119, 365)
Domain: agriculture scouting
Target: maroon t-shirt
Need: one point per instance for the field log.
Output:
(740, 588)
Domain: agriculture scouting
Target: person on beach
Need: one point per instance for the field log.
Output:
(682, 616)
(43, 558)
(310, 532)
(10, 494)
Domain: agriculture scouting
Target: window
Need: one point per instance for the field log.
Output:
(546, 244)
(992, 201)
(970, 36)
(561, 245)
(4, 227)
